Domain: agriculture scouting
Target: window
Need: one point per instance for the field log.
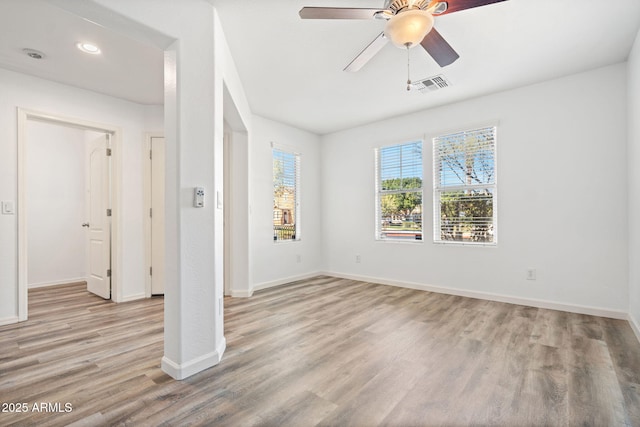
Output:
(399, 192)
(464, 187)
(286, 195)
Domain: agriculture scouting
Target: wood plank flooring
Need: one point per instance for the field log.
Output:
(325, 352)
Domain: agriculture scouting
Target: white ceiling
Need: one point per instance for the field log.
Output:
(292, 69)
(127, 68)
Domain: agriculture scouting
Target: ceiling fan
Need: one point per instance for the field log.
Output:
(409, 23)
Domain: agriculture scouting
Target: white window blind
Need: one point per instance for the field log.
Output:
(399, 192)
(286, 195)
(465, 191)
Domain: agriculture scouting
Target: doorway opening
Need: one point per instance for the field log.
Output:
(236, 210)
(56, 226)
(154, 217)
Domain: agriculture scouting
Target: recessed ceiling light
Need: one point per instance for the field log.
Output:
(32, 53)
(89, 48)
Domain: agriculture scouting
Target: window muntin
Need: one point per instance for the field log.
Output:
(399, 192)
(465, 187)
(286, 195)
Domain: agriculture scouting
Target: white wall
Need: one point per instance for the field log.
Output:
(56, 241)
(276, 262)
(36, 94)
(197, 67)
(561, 201)
(633, 73)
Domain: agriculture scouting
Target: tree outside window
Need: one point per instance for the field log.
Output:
(399, 192)
(465, 187)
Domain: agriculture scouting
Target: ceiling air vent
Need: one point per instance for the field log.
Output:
(431, 83)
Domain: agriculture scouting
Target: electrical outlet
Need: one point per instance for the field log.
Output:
(299, 258)
(358, 259)
(531, 274)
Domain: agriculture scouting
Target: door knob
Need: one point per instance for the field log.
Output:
(85, 224)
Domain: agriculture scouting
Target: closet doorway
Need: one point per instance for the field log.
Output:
(66, 209)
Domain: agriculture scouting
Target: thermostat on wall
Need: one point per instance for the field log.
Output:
(198, 197)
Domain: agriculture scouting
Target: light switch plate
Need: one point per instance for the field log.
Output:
(8, 207)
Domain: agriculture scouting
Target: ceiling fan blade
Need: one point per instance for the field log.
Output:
(367, 53)
(439, 49)
(337, 13)
(458, 5)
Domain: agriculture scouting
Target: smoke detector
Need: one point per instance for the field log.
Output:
(32, 53)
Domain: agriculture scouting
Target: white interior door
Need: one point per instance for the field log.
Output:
(99, 217)
(157, 215)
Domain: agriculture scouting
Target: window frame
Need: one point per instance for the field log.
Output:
(379, 192)
(438, 189)
(297, 217)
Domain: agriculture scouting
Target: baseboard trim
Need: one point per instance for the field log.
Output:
(9, 320)
(278, 282)
(56, 283)
(635, 326)
(241, 294)
(133, 297)
(181, 371)
(571, 308)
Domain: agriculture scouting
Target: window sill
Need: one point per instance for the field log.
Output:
(457, 243)
(401, 241)
(282, 242)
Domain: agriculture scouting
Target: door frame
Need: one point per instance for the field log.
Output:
(24, 115)
(226, 205)
(146, 180)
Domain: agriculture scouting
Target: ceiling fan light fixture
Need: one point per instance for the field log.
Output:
(408, 28)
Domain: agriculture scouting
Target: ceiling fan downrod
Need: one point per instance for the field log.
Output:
(408, 45)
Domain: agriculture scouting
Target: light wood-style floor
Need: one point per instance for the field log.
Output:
(327, 352)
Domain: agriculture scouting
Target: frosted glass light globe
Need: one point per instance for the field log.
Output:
(408, 28)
